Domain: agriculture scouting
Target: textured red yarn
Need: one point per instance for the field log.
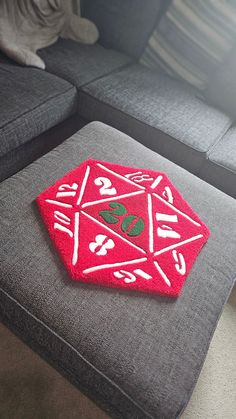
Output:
(123, 227)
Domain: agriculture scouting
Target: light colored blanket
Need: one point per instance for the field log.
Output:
(28, 25)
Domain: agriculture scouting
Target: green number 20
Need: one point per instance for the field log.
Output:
(131, 224)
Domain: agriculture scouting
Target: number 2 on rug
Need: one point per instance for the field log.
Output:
(106, 184)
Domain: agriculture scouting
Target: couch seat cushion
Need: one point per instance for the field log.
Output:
(139, 356)
(220, 168)
(80, 64)
(164, 114)
(34, 101)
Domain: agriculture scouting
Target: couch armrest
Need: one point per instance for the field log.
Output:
(124, 25)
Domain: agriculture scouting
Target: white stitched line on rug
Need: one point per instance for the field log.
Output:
(62, 217)
(166, 217)
(113, 232)
(65, 194)
(76, 239)
(60, 204)
(167, 281)
(173, 246)
(120, 176)
(57, 226)
(114, 198)
(177, 210)
(156, 182)
(113, 265)
(143, 274)
(167, 193)
(150, 223)
(83, 185)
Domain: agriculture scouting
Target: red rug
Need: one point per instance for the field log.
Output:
(123, 227)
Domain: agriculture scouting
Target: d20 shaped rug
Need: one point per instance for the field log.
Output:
(123, 227)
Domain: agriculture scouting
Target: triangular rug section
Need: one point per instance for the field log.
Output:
(100, 248)
(101, 183)
(172, 226)
(127, 216)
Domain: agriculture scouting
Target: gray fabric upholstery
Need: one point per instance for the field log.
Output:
(220, 168)
(80, 64)
(139, 356)
(164, 114)
(20, 157)
(124, 25)
(186, 42)
(221, 88)
(34, 101)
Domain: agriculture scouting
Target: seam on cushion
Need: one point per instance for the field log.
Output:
(132, 61)
(38, 106)
(77, 352)
(116, 70)
(4, 69)
(141, 122)
(221, 165)
(221, 136)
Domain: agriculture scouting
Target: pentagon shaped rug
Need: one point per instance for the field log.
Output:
(123, 227)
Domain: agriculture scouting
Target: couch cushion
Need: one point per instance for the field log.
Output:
(20, 157)
(34, 101)
(123, 25)
(164, 114)
(78, 63)
(220, 168)
(136, 355)
(191, 39)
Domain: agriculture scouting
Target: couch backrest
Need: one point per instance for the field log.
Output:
(221, 88)
(124, 25)
(192, 38)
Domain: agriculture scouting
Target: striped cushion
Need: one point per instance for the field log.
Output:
(192, 38)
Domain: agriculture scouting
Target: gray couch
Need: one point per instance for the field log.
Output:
(106, 82)
(137, 356)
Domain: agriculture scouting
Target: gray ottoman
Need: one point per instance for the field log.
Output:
(137, 356)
